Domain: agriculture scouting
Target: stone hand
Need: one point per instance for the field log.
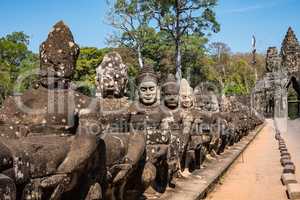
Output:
(124, 170)
(55, 180)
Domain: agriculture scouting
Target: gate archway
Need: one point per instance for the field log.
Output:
(293, 98)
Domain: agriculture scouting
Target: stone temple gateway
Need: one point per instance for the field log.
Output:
(56, 143)
(270, 96)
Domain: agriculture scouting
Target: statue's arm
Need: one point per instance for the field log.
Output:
(88, 123)
(136, 147)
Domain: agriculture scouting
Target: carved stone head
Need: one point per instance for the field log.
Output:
(112, 78)
(170, 91)
(58, 56)
(206, 98)
(273, 60)
(186, 94)
(147, 85)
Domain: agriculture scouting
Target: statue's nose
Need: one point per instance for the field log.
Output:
(111, 83)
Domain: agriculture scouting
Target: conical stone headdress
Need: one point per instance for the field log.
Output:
(59, 53)
(147, 73)
(185, 88)
(170, 85)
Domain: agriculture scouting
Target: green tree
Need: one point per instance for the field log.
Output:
(131, 18)
(220, 53)
(179, 18)
(85, 72)
(28, 72)
(15, 59)
(88, 61)
(240, 78)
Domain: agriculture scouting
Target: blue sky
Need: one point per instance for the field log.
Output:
(239, 19)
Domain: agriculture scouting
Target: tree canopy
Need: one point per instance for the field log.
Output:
(172, 35)
(15, 59)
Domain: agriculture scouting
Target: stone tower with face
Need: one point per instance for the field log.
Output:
(111, 78)
(290, 53)
(170, 91)
(273, 60)
(147, 86)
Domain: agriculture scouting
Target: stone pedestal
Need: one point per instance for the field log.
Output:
(282, 146)
(286, 162)
(285, 157)
(288, 179)
(289, 169)
(293, 190)
(283, 150)
(285, 153)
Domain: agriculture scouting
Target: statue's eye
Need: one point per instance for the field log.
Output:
(151, 88)
(143, 89)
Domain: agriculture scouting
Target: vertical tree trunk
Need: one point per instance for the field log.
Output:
(140, 57)
(178, 62)
(178, 43)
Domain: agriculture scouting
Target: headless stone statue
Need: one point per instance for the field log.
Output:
(42, 132)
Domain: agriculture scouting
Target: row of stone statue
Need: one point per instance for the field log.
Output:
(57, 143)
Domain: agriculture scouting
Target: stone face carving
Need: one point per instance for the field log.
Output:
(56, 143)
(208, 102)
(124, 147)
(111, 76)
(186, 95)
(147, 86)
(174, 121)
(194, 122)
(49, 151)
(206, 98)
(271, 88)
(273, 60)
(146, 115)
(290, 52)
(171, 92)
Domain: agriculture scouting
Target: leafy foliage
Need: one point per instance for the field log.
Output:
(182, 18)
(232, 72)
(15, 60)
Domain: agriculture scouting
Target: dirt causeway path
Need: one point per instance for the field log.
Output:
(255, 175)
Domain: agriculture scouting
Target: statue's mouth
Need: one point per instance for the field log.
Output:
(110, 88)
(110, 93)
(173, 103)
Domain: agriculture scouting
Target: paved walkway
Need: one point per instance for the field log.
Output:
(256, 174)
(292, 139)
